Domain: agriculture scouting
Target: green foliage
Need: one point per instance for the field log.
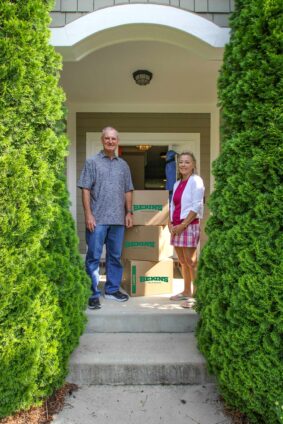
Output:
(240, 277)
(279, 411)
(42, 280)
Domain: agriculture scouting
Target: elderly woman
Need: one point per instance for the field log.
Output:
(186, 210)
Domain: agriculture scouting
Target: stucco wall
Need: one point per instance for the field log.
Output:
(217, 11)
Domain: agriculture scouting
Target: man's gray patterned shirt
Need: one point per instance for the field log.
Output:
(108, 180)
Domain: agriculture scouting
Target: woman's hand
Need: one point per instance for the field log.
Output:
(178, 229)
(170, 226)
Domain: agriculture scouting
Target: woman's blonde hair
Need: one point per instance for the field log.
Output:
(193, 159)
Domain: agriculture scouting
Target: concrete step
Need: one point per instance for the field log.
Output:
(198, 404)
(134, 359)
(155, 314)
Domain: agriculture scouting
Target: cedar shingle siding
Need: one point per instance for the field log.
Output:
(217, 11)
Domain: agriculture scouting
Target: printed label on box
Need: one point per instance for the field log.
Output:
(134, 279)
(147, 243)
(145, 278)
(155, 279)
(139, 244)
(150, 207)
(147, 207)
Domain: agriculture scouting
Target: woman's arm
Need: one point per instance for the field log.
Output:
(178, 229)
(192, 215)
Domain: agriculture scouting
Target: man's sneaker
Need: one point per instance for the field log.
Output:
(94, 303)
(118, 296)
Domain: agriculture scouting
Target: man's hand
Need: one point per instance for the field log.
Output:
(90, 222)
(129, 220)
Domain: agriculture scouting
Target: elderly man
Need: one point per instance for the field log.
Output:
(107, 201)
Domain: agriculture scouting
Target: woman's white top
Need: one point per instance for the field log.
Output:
(192, 197)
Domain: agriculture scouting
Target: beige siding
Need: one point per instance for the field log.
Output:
(143, 122)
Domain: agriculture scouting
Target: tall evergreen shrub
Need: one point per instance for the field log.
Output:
(240, 277)
(42, 280)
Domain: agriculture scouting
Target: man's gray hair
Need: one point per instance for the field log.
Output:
(109, 129)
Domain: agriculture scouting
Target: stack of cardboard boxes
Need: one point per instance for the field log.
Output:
(148, 268)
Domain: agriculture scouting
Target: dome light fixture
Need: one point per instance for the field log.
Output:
(142, 77)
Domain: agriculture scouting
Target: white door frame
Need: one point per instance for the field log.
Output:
(175, 141)
(74, 108)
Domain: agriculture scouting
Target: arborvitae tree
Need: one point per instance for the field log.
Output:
(240, 276)
(42, 279)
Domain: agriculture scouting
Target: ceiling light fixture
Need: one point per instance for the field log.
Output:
(142, 77)
(143, 147)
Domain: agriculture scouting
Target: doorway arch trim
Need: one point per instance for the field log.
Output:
(121, 23)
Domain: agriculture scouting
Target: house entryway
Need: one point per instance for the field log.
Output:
(146, 154)
(138, 362)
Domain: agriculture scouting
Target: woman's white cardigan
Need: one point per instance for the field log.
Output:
(192, 197)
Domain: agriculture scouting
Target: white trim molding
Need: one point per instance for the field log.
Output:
(90, 137)
(72, 161)
(174, 141)
(139, 22)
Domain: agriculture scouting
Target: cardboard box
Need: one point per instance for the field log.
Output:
(150, 207)
(145, 278)
(147, 243)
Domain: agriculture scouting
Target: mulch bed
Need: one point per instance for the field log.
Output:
(235, 416)
(43, 414)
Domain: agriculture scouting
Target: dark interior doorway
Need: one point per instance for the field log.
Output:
(147, 168)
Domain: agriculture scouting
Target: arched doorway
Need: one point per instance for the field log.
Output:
(101, 51)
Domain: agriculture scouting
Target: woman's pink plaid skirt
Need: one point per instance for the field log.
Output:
(188, 238)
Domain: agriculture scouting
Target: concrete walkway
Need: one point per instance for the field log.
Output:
(138, 363)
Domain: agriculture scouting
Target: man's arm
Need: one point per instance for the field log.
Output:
(129, 205)
(89, 218)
